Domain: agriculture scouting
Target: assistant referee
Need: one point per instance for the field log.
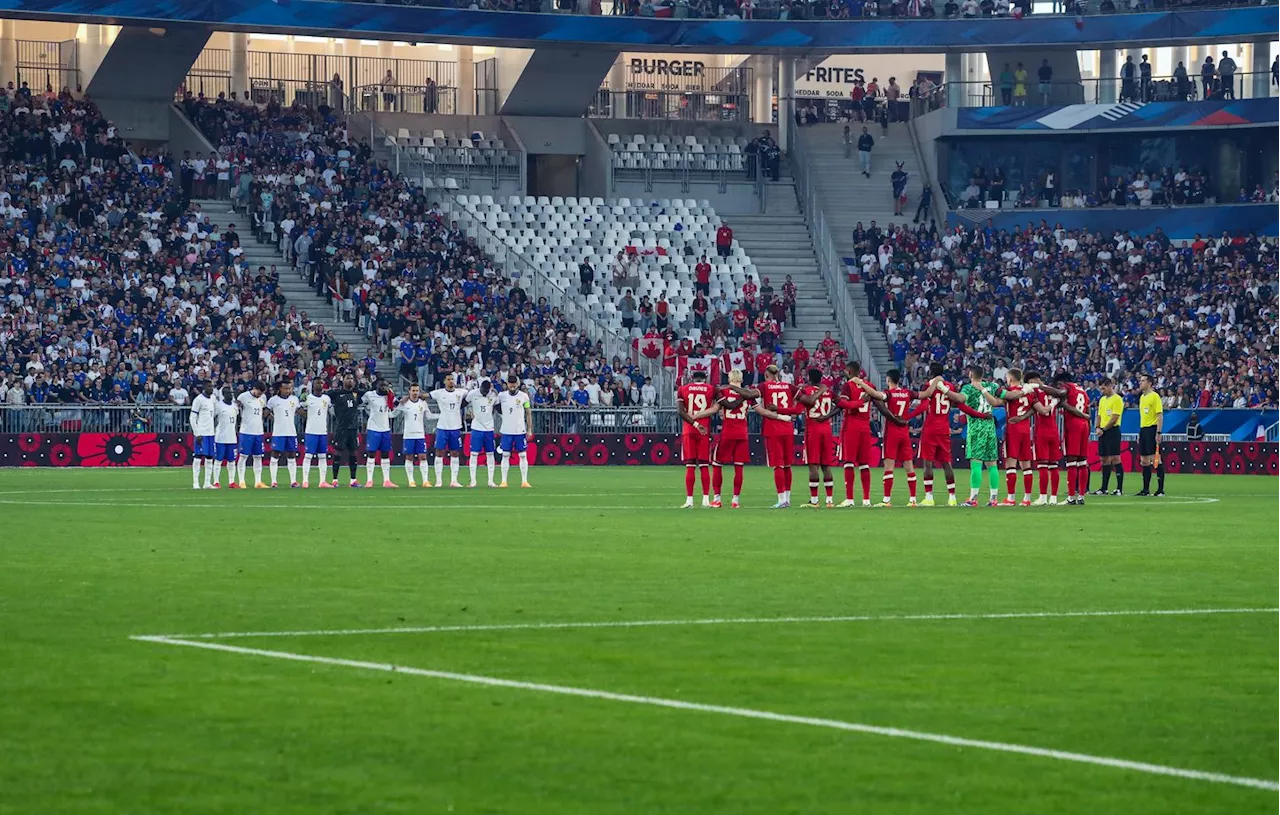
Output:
(1152, 414)
(1110, 409)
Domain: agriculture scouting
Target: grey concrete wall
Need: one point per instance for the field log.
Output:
(558, 82)
(550, 135)
(135, 82)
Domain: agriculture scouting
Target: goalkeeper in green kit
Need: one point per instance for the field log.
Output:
(981, 446)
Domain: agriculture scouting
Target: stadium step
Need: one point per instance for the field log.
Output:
(847, 197)
(296, 291)
(780, 245)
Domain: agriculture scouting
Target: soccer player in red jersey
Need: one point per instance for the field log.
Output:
(1017, 439)
(1075, 432)
(731, 447)
(779, 435)
(855, 399)
(897, 435)
(1047, 441)
(819, 441)
(935, 437)
(692, 400)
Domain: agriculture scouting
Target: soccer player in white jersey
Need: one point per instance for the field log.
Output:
(205, 449)
(481, 401)
(317, 434)
(415, 412)
(225, 411)
(284, 433)
(378, 434)
(252, 405)
(448, 430)
(517, 429)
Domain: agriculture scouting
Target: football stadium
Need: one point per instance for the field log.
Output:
(671, 406)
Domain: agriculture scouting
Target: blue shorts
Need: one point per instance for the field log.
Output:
(482, 441)
(415, 447)
(226, 452)
(250, 445)
(449, 440)
(378, 441)
(204, 447)
(515, 443)
(284, 444)
(317, 444)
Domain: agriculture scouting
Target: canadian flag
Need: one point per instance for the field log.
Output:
(688, 365)
(736, 360)
(650, 347)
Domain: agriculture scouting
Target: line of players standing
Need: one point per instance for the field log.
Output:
(1033, 440)
(333, 418)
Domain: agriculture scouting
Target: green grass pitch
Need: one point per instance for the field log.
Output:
(92, 721)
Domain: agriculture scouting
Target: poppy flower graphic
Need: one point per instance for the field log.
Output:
(177, 454)
(570, 442)
(550, 455)
(118, 450)
(60, 455)
(660, 453)
(635, 441)
(30, 442)
(599, 454)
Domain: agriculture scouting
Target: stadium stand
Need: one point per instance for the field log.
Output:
(1199, 317)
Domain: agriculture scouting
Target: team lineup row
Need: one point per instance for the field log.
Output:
(333, 418)
(1033, 440)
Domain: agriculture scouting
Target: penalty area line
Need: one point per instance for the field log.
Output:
(739, 712)
(862, 618)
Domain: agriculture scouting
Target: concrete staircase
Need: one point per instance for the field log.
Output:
(847, 197)
(296, 290)
(779, 244)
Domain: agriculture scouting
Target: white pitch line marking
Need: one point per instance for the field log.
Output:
(866, 618)
(745, 713)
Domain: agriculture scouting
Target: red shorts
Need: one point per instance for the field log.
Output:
(1077, 439)
(1048, 448)
(780, 451)
(820, 448)
(1017, 444)
(897, 446)
(731, 451)
(935, 446)
(855, 445)
(695, 448)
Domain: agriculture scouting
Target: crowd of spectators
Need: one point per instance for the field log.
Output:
(1184, 186)
(1200, 318)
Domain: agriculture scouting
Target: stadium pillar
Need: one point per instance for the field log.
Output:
(1108, 77)
(8, 53)
(1260, 66)
(786, 99)
(954, 77)
(240, 65)
(466, 81)
(762, 99)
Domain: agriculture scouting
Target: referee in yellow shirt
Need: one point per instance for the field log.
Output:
(1110, 409)
(1152, 413)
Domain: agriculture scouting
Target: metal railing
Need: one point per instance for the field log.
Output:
(1107, 90)
(686, 167)
(852, 329)
(697, 106)
(459, 164)
(407, 98)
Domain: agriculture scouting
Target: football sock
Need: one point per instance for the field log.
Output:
(1026, 483)
(1106, 477)
(386, 467)
(848, 482)
(257, 469)
(865, 472)
(241, 463)
(488, 463)
(951, 485)
(737, 480)
(424, 467)
(368, 468)
(1011, 482)
(704, 473)
(506, 466)
(524, 467)
(779, 483)
(928, 488)
(717, 480)
(440, 470)
(1160, 476)
(195, 472)
(1146, 477)
(408, 469)
(830, 485)
(975, 479)
(323, 462)
(993, 480)
(813, 491)
(291, 464)
(1055, 479)
(1071, 479)
(690, 478)
(1120, 477)
(474, 465)
(275, 469)
(888, 485)
(454, 463)
(1044, 478)
(911, 484)
(337, 467)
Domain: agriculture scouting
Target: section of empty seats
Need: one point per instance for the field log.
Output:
(712, 154)
(456, 148)
(649, 248)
